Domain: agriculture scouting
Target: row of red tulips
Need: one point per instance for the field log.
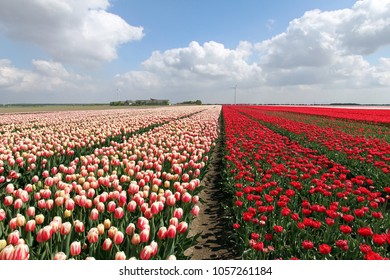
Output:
(133, 199)
(363, 155)
(349, 126)
(292, 202)
(356, 114)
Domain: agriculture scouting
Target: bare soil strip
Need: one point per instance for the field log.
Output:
(212, 221)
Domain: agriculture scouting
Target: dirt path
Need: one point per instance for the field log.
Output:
(214, 242)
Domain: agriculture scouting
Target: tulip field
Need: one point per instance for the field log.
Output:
(300, 182)
(114, 184)
(304, 186)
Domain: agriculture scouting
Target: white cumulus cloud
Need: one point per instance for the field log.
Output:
(329, 48)
(80, 31)
(46, 76)
(211, 62)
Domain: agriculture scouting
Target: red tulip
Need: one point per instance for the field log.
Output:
(324, 249)
(365, 231)
(182, 227)
(307, 244)
(119, 213)
(44, 234)
(2, 215)
(171, 232)
(162, 233)
(107, 244)
(118, 237)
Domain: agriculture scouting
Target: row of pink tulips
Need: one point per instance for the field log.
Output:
(29, 142)
(133, 199)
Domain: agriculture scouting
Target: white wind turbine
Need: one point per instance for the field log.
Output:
(235, 94)
(118, 94)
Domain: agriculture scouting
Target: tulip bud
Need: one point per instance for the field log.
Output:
(3, 243)
(118, 238)
(31, 211)
(178, 213)
(94, 215)
(93, 235)
(75, 248)
(195, 199)
(8, 200)
(146, 253)
(7, 253)
(171, 200)
(100, 228)
(30, 226)
(171, 258)
(111, 206)
(20, 220)
(21, 252)
(120, 256)
(132, 206)
(107, 223)
(60, 256)
(155, 208)
(171, 233)
(65, 228)
(107, 244)
(130, 229)
(67, 213)
(119, 213)
(182, 227)
(69, 204)
(154, 246)
(2, 215)
(39, 219)
(13, 237)
(195, 210)
(186, 198)
(44, 234)
(162, 233)
(9, 189)
(142, 223)
(112, 231)
(174, 221)
(144, 235)
(79, 226)
(135, 239)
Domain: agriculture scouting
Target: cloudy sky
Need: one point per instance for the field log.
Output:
(94, 51)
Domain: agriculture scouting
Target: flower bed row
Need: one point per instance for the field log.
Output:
(132, 199)
(33, 143)
(370, 157)
(365, 115)
(349, 126)
(292, 202)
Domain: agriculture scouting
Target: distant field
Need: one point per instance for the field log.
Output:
(54, 108)
(28, 109)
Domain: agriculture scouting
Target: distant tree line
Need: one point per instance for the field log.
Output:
(148, 102)
(190, 102)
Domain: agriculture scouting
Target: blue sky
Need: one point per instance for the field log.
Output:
(300, 51)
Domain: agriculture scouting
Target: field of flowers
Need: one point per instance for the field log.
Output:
(115, 184)
(305, 191)
(300, 182)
